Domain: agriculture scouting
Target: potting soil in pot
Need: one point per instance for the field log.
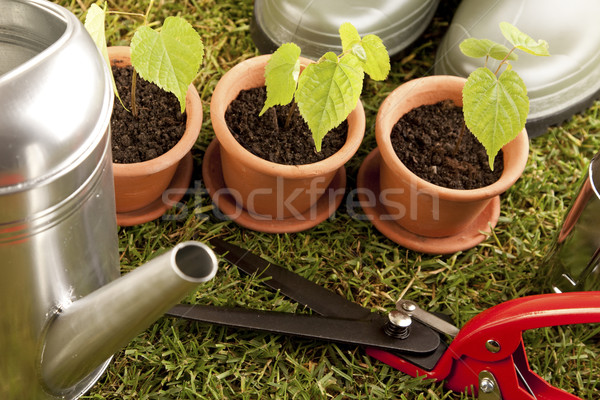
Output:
(268, 137)
(157, 128)
(425, 139)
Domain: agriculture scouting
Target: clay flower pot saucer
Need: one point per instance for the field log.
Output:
(368, 180)
(215, 184)
(178, 186)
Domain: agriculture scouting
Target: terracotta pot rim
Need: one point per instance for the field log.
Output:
(513, 167)
(230, 82)
(192, 130)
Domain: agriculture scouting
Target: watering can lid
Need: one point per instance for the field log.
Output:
(56, 94)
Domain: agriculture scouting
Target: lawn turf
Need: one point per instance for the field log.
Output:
(175, 359)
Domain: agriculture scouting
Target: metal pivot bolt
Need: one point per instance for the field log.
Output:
(492, 346)
(398, 325)
(409, 306)
(487, 385)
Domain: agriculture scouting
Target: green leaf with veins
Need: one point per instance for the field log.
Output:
(477, 48)
(349, 36)
(281, 76)
(495, 109)
(522, 41)
(328, 91)
(170, 58)
(377, 64)
(370, 50)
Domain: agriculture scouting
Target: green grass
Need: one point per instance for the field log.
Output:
(175, 359)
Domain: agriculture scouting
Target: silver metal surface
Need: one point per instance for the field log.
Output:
(488, 387)
(524, 381)
(574, 261)
(398, 324)
(89, 330)
(409, 306)
(58, 232)
(314, 25)
(434, 322)
(492, 346)
(399, 319)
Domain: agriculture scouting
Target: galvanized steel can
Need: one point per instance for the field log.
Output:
(574, 261)
(58, 233)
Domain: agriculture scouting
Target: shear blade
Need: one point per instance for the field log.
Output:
(292, 285)
(355, 332)
(339, 319)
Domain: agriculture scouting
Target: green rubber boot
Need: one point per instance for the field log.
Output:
(314, 25)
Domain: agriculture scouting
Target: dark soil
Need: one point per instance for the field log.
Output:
(158, 127)
(268, 138)
(425, 140)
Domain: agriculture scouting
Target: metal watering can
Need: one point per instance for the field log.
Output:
(574, 261)
(63, 312)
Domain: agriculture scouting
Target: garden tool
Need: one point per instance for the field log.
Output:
(486, 357)
(574, 261)
(63, 310)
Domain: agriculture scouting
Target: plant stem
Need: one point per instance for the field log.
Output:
(460, 138)
(289, 115)
(134, 109)
(504, 61)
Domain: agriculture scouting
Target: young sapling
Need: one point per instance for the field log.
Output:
(328, 90)
(495, 105)
(169, 58)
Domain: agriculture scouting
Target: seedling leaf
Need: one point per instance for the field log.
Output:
(281, 75)
(94, 24)
(377, 65)
(359, 52)
(495, 109)
(477, 48)
(349, 36)
(522, 41)
(170, 59)
(370, 50)
(321, 90)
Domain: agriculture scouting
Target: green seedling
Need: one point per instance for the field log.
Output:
(328, 90)
(94, 24)
(495, 104)
(169, 58)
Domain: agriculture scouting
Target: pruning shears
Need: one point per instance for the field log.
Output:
(486, 357)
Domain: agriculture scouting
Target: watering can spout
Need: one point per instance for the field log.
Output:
(86, 333)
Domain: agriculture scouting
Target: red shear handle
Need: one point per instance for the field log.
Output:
(505, 322)
(492, 341)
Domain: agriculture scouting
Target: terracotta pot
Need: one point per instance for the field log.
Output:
(140, 186)
(265, 189)
(421, 207)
